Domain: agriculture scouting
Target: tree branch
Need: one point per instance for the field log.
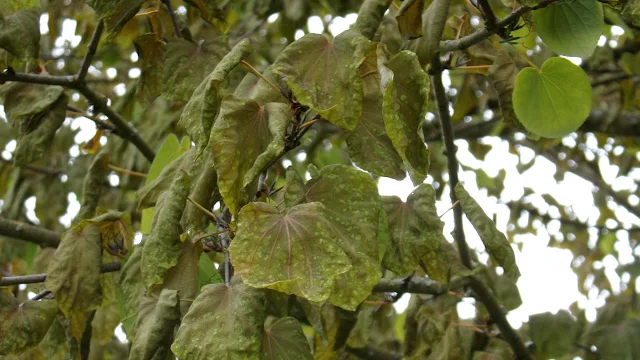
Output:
(419, 285)
(489, 16)
(30, 233)
(37, 169)
(172, 15)
(91, 51)
(38, 278)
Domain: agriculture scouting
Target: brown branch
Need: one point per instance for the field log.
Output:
(91, 51)
(39, 278)
(30, 233)
(489, 16)
(37, 169)
(101, 124)
(418, 285)
(172, 15)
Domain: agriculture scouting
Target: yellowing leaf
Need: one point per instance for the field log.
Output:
(409, 18)
(23, 325)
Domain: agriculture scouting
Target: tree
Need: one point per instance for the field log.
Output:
(228, 197)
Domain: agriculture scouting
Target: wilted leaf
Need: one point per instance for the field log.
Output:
(115, 13)
(294, 190)
(104, 323)
(368, 144)
(224, 323)
(359, 335)
(409, 18)
(404, 108)
(184, 276)
(151, 52)
(255, 88)
(246, 137)
(495, 242)
(211, 12)
(20, 33)
(434, 20)
(131, 288)
(156, 319)
(73, 275)
(149, 193)
(23, 325)
(554, 335)
(284, 339)
(162, 249)
(202, 109)
(416, 234)
(203, 192)
(187, 64)
(324, 75)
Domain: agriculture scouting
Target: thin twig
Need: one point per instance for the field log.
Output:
(489, 16)
(125, 171)
(449, 209)
(38, 278)
(41, 295)
(174, 20)
(91, 51)
(204, 210)
(37, 169)
(72, 110)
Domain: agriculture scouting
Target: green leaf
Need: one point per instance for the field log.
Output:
(92, 186)
(494, 241)
(186, 64)
(324, 75)
(12, 6)
(20, 33)
(284, 339)
(416, 234)
(404, 109)
(236, 313)
(115, 13)
(630, 63)
(434, 20)
(104, 323)
(570, 28)
(202, 109)
(23, 325)
(73, 275)
(554, 335)
(170, 150)
(369, 146)
(151, 52)
(246, 137)
(631, 10)
(162, 249)
(294, 190)
(203, 192)
(156, 319)
(553, 101)
(616, 341)
(255, 88)
(184, 276)
(355, 211)
(211, 12)
(207, 272)
(409, 18)
(131, 286)
(299, 250)
(149, 193)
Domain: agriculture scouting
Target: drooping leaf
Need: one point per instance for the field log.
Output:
(294, 190)
(434, 20)
(20, 33)
(23, 325)
(631, 10)
(162, 249)
(207, 272)
(553, 101)
(416, 234)
(149, 193)
(324, 75)
(404, 109)
(115, 13)
(151, 52)
(255, 88)
(203, 192)
(104, 322)
(354, 210)
(284, 339)
(156, 319)
(409, 18)
(246, 137)
(131, 288)
(186, 64)
(211, 12)
(369, 146)
(494, 241)
(299, 249)
(73, 275)
(184, 276)
(554, 335)
(170, 150)
(570, 28)
(238, 314)
(92, 186)
(202, 109)
(359, 335)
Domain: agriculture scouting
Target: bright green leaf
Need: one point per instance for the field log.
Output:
(570, 28)
(170, 150)
(154, 328)
(284, 339)
(224, 322)
(20, 33)
(553, 101)
(22, 326)
(207, 272)
(324, 75)
(554, 335)
(149, 193)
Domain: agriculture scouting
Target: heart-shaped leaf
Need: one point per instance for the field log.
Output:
(570, 28)
(22, 326)
(553, 101)
(157, 316)
(284, 339)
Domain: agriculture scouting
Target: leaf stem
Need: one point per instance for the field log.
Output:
(91, 51)
(257, 73)
(125, 171)
(204, 210)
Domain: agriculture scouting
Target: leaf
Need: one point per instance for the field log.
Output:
(151, 52)
(299, 249)
(23, 325)
(325, 76)
(207, 272)
(294, 190)
(616, 341)
(369, 146)
(11, 6)
(416, 234)
(184, 276)
(202, 109)
(115, 14)
(73, 275)
(211, 12)
(404, 109)
(116, 234)
(186, 64)
(92, 186)
(203, 192)
(495, 242)
(104, 323)
(255, 88)
(554, 101)
(554, 335)
(434, 20)
(570, 28)
(631, 10)
(246, 137)
(154, 327)
(284, 339)
(20, 33)
(409, 17)
(162, 249)
(149, 193)
(238, 314)
(354, 209)
(131, 289)
(170, 150)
